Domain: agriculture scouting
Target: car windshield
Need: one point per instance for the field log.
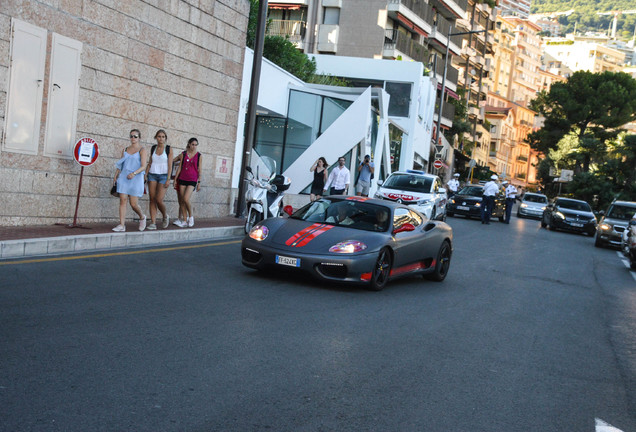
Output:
(346, 212)
(573, 205)
(622, 212)
(472, 191)
(409, 182)
(542, 199)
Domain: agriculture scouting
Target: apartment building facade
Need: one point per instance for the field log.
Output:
(407, 30)
(584, 54)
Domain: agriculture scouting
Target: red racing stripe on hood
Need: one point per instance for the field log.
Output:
(312, 235)
(293, 240)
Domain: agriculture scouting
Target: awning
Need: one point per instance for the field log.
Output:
(448, 92)
(283, 6)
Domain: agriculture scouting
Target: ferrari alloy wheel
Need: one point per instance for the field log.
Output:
(381, 270)
(443, 263)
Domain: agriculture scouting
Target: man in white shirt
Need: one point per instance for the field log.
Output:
(511, 196)
(338, 179)
(453, 185)
(488, 199)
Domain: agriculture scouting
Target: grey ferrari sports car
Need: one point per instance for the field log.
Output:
(352, 239)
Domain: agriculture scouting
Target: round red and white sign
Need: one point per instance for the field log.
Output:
(438, 164)
(86, 151)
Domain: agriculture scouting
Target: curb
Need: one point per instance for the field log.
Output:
(82, 243)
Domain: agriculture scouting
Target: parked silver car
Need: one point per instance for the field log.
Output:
(532, 205)
(614, 222)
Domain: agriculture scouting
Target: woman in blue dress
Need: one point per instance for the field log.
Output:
(129, 177)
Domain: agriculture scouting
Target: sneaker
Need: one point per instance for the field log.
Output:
(166, 222)
(119, 228)
(180, 223)
(142, 224)
(151, 226)
(191, 221)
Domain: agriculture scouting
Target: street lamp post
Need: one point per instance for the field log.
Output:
(438, 148)
(248, 142)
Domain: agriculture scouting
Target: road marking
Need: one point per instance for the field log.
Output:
(602, 426)
(101, 255)
(626, 263)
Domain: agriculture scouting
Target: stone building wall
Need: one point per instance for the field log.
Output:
(145, 64)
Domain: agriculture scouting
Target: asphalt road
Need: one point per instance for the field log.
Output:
(531, 331)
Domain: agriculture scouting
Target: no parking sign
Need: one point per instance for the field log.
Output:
(86, 151)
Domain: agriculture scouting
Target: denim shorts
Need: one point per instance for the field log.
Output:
(159, 178)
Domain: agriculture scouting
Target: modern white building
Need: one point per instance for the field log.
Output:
(388, 113)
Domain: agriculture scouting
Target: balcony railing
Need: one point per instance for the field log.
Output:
(397, 40)
(522, 158)
(418, 7)
(295, 30)
(448, 111)
(452, 74)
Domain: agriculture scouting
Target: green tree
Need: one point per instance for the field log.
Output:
(592, 105)
(284, 53)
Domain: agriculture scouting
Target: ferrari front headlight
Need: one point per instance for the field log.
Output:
(348, 246)
(259, 232)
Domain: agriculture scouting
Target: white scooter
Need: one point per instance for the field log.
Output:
(264, 198)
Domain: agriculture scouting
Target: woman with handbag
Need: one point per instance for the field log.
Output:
(159, 169)
(130, 184)
(188, 178)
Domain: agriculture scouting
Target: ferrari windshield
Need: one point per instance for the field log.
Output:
(409, 182)
(347, 212)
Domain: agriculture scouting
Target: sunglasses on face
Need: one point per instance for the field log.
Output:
(134, 136)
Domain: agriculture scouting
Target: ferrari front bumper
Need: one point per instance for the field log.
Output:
(354, 268)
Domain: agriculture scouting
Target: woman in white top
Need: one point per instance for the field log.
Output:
(159, 169)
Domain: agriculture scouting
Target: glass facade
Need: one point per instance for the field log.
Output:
(395, 136)
(400, 98)
(284, 140)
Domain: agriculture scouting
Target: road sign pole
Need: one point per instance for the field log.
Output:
(79, 190)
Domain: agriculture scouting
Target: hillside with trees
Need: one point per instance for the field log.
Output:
(585, 15)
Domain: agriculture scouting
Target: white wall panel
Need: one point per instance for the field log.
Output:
(26, 79)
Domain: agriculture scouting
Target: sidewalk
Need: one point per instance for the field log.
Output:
(30, 241)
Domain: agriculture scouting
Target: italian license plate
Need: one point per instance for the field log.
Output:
(576, 224)
(288, 261)
(462, 208)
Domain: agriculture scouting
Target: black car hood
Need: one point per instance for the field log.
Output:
(472, 198)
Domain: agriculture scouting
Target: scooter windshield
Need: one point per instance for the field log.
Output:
(270, 164)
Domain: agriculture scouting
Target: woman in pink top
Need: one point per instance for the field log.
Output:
(188, 178)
